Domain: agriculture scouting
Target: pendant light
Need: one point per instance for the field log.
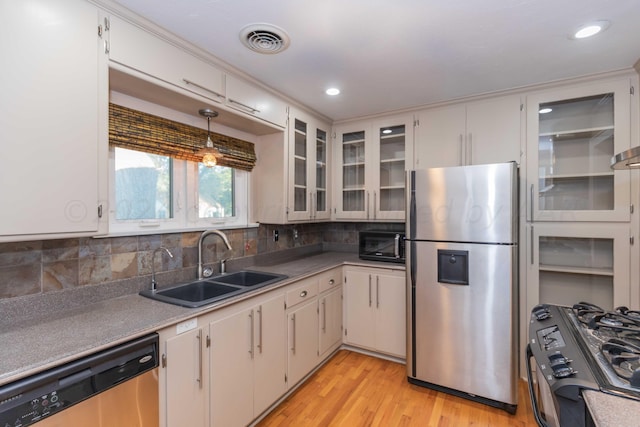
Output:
(209, 153)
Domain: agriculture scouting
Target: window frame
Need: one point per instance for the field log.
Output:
(184, 200)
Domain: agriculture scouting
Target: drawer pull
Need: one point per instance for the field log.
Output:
(303, 294)
(331, 282)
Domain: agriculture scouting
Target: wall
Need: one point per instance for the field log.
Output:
(39, 267)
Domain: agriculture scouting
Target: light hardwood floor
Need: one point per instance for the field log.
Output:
(353, 390)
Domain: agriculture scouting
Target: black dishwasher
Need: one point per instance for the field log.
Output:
(50, 393)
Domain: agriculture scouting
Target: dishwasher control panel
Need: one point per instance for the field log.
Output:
(31, 399)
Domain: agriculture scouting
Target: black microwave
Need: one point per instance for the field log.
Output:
(382, 246)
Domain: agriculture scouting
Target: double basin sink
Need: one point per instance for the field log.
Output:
(216, 288)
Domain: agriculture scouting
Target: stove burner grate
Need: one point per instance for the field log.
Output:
(624, 358)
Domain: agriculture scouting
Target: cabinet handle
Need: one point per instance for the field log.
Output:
(367, 201)
(531, 245)
(375, 205)
(369, 290)
(293, 321)
(189, 82)
(260, 329)
(252, 333)
(470, 149)
(461, 161)
(377, 291)
(324, 315)
(244, 106)
(310, 206)
(303, 294)
(531, 203)
(199, 338)
(331, 282)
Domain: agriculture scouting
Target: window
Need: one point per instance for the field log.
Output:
(153, 193)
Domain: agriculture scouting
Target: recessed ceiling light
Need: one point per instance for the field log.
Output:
(333, 91)
(590, 29)
(545, 110)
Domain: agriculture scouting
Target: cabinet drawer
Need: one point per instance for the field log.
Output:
(302, 293)
(329, 279)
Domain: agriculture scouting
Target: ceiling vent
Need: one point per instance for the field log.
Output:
(264, 38)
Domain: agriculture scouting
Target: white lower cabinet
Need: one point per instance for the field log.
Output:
(302, 327)
(375, 309)
(247, 362)
(227, 367)
(186, 390)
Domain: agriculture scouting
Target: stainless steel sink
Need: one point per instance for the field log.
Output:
(217, 288)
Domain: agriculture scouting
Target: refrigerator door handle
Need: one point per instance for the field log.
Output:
(531, 244)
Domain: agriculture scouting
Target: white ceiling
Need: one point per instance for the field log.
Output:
(388, 55)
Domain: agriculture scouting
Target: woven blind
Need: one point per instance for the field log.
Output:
(140, 131)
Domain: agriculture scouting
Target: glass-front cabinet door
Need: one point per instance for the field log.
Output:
(320, 208)
(393, 136)
(308, 177)
(572, 135)
(569, 263)
(353, 196)
(372, 159)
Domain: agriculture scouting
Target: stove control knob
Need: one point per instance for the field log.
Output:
(560, 366)
(563, 371)
(541, 312)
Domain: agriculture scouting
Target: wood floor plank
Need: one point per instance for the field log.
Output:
(354, 389)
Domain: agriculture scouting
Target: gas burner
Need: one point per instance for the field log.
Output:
(624, 358)
(585, 312)
(594, 317)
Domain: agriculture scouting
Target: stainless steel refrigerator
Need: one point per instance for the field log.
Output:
(462, 271)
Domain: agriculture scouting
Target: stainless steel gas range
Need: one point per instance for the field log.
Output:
(580, 348)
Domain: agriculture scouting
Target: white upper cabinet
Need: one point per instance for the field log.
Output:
(257, 102)
(572, 133)
(308, 168)
(477, 132)
(52, 119)
(371, 160)
(140, 50)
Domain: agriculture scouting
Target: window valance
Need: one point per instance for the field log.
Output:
(140, 131)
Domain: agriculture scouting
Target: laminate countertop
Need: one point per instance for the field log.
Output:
(612, 411)
(83, 327)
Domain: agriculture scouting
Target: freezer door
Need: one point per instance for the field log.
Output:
(475, 203)
(463, 332)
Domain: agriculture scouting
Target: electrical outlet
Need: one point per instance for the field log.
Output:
(295, 234)
(276, 235)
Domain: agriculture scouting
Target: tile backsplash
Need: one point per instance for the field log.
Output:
(29, 268)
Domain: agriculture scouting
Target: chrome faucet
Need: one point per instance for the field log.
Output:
(202, 237)
(153, 266)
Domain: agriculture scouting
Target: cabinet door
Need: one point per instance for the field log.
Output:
(572, 134)
(391, 309)
(359, 308)
(300, 161)
(569, 263)
(49, 117)
(142, 51)
(351, 152)
(270, 353)
(330, 320)
(393, 140)
(303, 341)
(440, 138)
(231, 358)
(186, 380)
(493, 130)
(321, 208)
(255, 101)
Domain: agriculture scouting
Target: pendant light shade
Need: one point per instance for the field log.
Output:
(209, 153)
